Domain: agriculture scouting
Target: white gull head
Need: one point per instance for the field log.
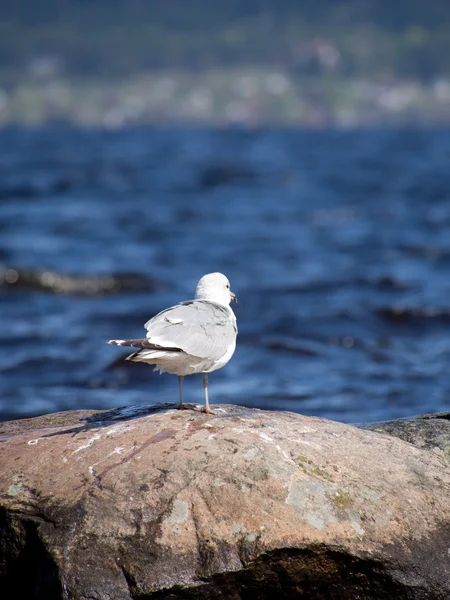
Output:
(215, 287)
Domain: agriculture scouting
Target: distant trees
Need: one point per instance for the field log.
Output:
(407, 38)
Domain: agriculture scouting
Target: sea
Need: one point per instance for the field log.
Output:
(336, 242)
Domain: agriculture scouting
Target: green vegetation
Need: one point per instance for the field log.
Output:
(342, 500)
(307, 465)
(406, 38)
(310, 62)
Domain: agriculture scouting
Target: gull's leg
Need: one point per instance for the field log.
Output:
(205, 385)
(180, 381)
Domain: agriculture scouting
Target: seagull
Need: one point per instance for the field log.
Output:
(197, 336)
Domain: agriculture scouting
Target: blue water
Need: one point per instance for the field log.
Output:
(337, 244)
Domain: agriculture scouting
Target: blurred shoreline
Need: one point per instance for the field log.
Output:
(246, 96)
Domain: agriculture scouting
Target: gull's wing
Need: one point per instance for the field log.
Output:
(197, 327)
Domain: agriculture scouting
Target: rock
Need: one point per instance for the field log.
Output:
(226, 173)
(59, 283)
(431, 432)
(406, 316)
(153, 503)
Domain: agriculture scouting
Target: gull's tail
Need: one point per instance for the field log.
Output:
(147, 349)
(140, 343)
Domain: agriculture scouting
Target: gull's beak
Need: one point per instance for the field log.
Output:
(233, 296)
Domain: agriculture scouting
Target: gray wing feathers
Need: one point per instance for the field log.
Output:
(198, 328)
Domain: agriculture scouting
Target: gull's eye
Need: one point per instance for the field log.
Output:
(228, 286)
